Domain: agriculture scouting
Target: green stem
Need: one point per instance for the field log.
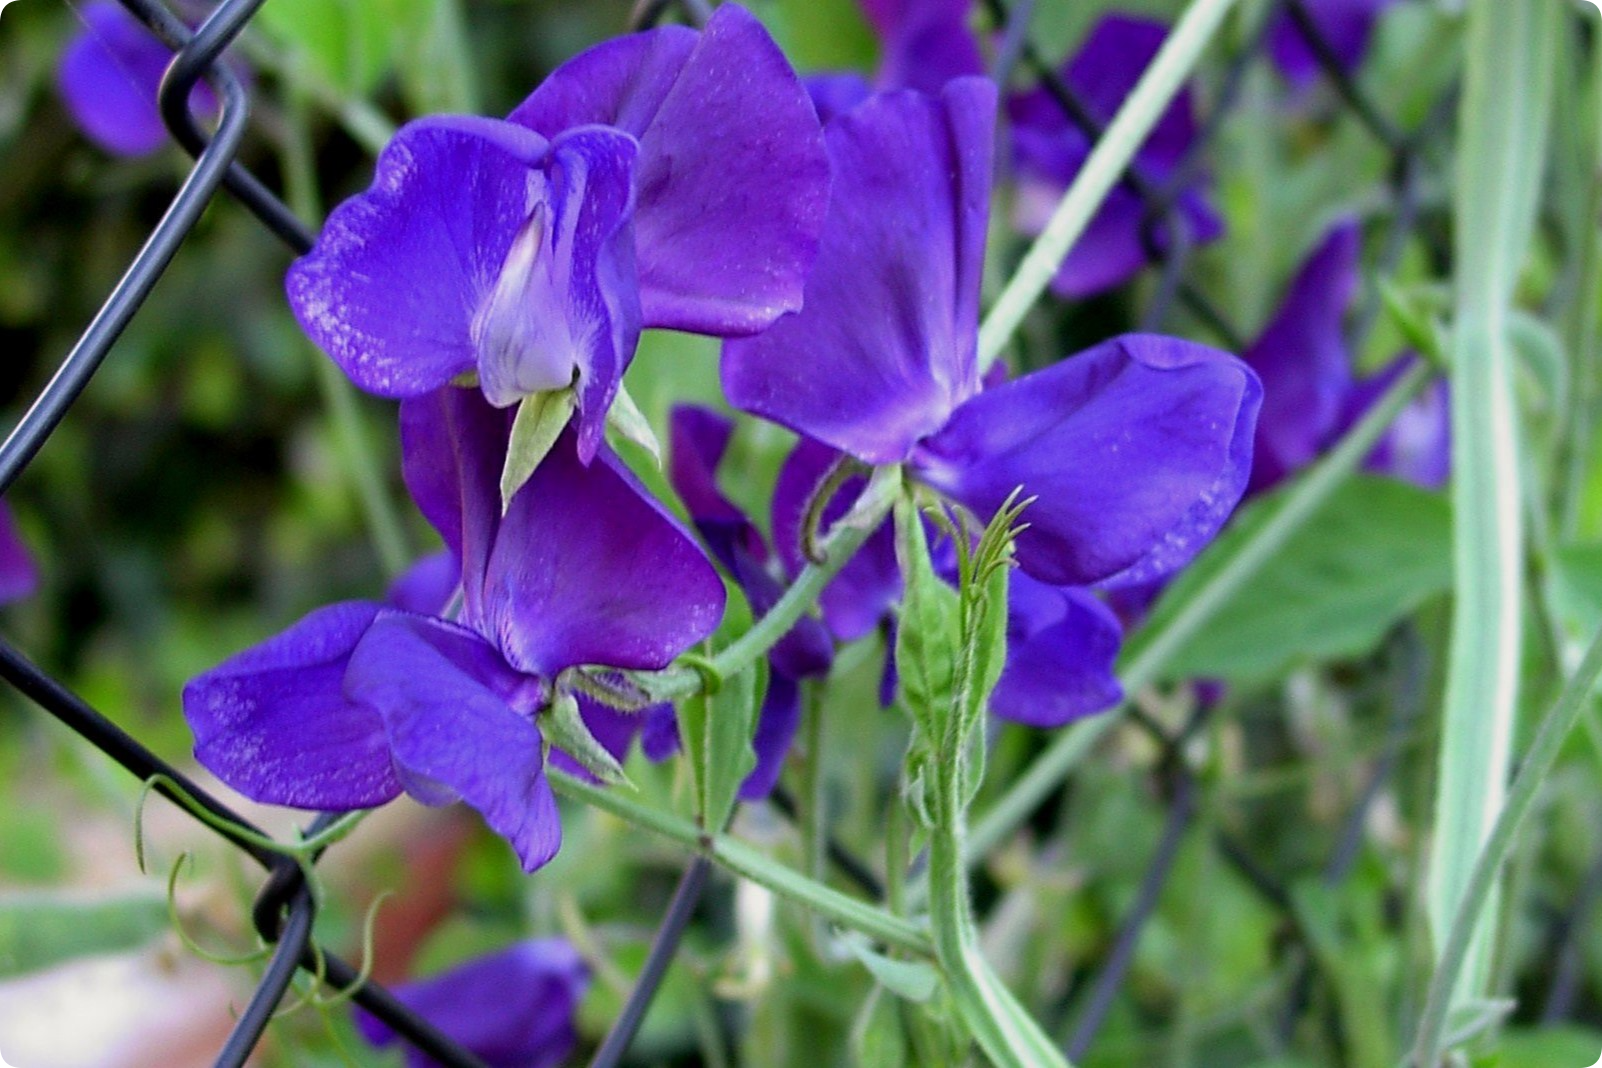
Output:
(1151, 647)
(363, 467)
(752, 864)
(1107, 161)
(1538, 763)
(845, 538)
(1503, 121)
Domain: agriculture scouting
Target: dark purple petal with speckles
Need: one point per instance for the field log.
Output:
(1136, 450)
(884, 348)
(274, 722)
(732, 177)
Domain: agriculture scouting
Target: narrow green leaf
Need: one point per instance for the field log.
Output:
(913, 980)
(1373, 552)
(626, 419)
(879, 1038)
(926, 636)
(716, 727)
(540, 419)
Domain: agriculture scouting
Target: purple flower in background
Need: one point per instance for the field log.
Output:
(359, 701)
(1049, 150)
(1136, 450)
(1346, 25)
(19, 574)
(699, 438)
(926, 43)
(665, 179)
(109, 76)
(512, 1009)
(1310, 393)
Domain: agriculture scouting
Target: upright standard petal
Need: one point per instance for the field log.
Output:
(447, 706)
(1345, 25)
(884, 348)
(109, 77)
(927, 43)
(732, 178)
(514, 1009)
(1303, 360)
(275, 723)
(1050, 150)
(585, 567)
(1061, 645)
(1135, 450)
(391, 289)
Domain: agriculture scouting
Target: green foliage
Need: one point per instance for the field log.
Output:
(716, 724)
(1375, 551)
(41, 930)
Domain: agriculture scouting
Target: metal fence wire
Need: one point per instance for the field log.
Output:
(284, 912)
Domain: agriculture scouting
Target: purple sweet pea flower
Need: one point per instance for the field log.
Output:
(359, 702)
(1135, 451)
(1346, 24)
(19, 574)
(926, 43)
(698, 440)
(1049, 151)
(512, 1009)
(1310, 396)
(665, 179)
(109, 76)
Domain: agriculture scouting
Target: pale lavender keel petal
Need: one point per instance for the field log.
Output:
(444, 701)
(392, 286)
(884, 348)
(1136, 450)
(1303, 360)
(859, 598)
(274, 722)
(109, 77)
(19, 573)
(516, 1008)
(1061, 646)
(564, 307)
(732, 179)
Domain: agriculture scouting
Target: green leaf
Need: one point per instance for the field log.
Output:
(879, 1037)
(1372, 553)
(626, 419)
(716, 727)
(564, 727)
(540, 419)
(927, 638)
(1550, 1047)
(347, 42)
(38, 930)
(913, 980)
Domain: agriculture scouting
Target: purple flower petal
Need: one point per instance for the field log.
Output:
(927, 43)
(443, 696)
(732, 177)
(19, 573)
(1061, 645)
(274, 721)
(428, 586)
(1345, 24)
(1303, 361)
(699, 438)
(398, 273)
(585, 567)
(616, 731)
(860, 596)
(1050, 150)
(514, 1009)
(1417, 447)
(1136, 451)
(109, 76)
(834, 93)
(884, 349)
(777, 721)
